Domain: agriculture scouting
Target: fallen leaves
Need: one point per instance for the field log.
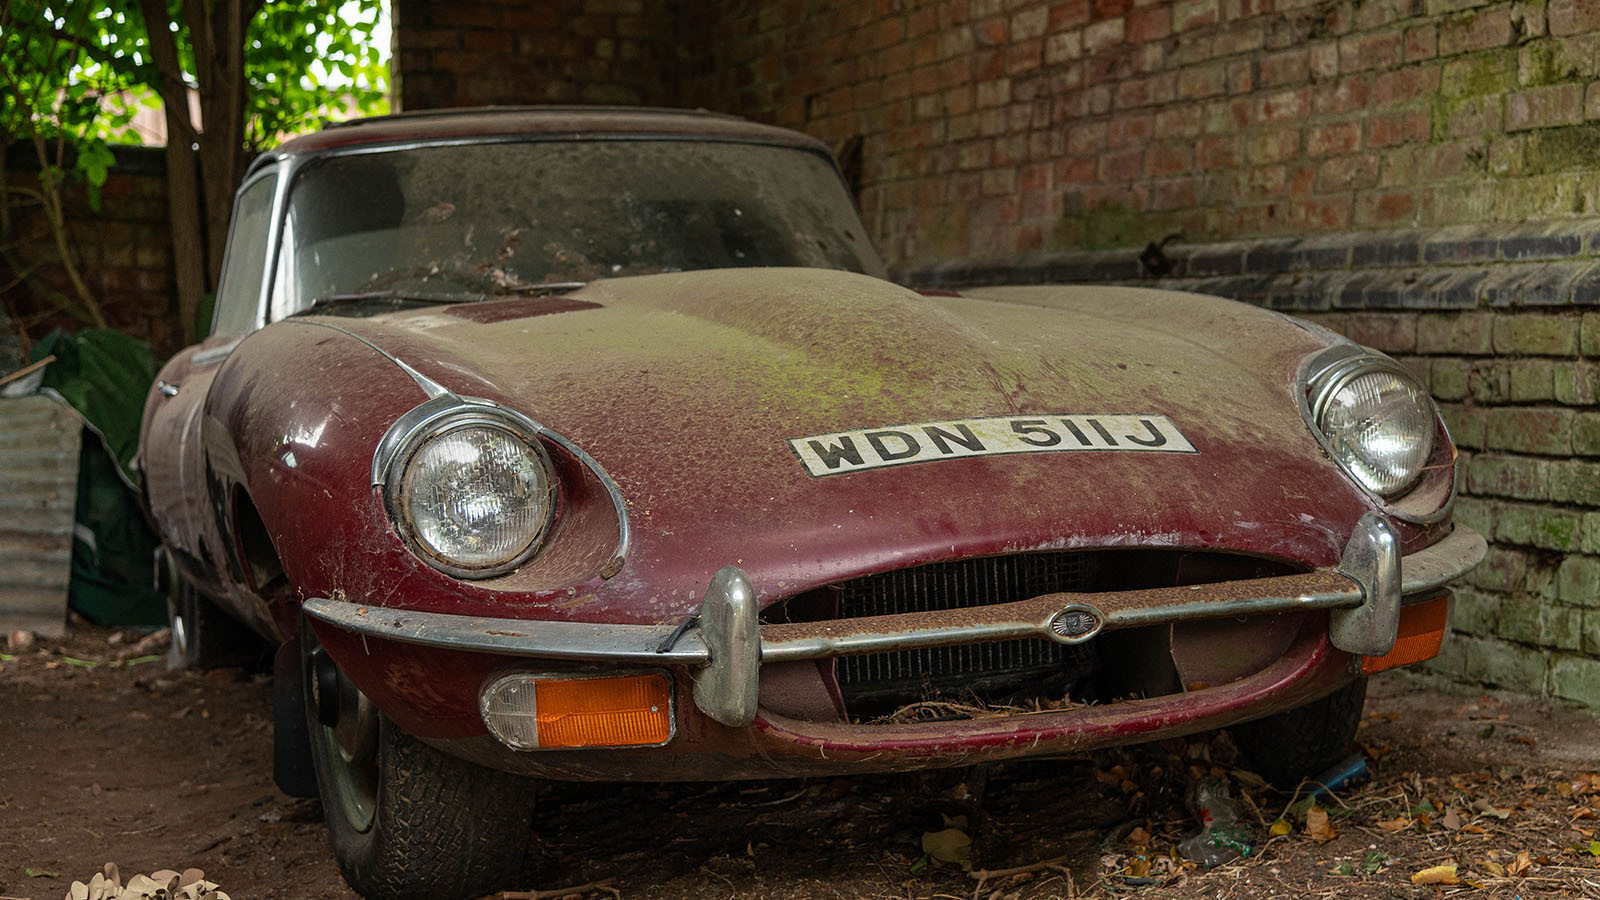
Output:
(166, 884)
(1318, 826)
(1436, 875)
(950, 845)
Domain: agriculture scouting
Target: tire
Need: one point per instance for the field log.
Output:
(407, 821)
(1305, 741)
(205, 637)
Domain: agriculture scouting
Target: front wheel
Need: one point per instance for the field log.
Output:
(1305, 741)
(407, 821)
(203, 636)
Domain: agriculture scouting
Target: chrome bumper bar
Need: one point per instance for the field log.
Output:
(1365, 592)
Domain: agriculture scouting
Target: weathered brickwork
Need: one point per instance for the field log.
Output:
(124, 251)
(996, 127)
(479, 52)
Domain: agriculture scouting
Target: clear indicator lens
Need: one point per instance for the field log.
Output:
(1381, 426)
(477, 496)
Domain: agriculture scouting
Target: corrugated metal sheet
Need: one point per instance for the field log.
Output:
(39, 442)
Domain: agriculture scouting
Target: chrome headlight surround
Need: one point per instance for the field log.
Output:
(438, 418)
(1325, 375)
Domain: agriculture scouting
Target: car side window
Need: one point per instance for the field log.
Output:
(239, 294)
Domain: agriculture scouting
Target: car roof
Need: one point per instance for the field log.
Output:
(543, 121)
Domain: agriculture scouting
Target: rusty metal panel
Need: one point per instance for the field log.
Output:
(39, 442)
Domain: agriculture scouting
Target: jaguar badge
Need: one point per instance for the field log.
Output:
(1076, 623)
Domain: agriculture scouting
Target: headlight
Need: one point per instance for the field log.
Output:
(1377, 420)
(468, 486)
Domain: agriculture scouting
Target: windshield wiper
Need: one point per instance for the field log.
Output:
(391, 298)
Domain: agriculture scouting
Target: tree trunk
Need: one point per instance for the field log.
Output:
(190, 253)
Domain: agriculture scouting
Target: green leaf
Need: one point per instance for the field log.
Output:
(32, 872)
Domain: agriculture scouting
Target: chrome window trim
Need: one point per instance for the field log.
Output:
(269, 262)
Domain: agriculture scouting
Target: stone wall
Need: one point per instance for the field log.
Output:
(124, 251)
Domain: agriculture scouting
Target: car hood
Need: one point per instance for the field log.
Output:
(688, 387)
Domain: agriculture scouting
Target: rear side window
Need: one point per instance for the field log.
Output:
(239, 294)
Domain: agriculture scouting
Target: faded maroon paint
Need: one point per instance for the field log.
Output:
(686, 387)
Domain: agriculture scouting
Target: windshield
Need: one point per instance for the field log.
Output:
(506, 216)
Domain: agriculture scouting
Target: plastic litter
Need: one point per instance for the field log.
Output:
(1222, 837)
(1344, 773)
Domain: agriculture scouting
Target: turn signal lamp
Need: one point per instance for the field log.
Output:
(527, 711)
(1419, 637)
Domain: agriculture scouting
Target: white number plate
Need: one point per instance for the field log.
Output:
(898, 445)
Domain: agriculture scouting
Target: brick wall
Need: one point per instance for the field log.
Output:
(995, 127)
(124, 253)
(480, 52)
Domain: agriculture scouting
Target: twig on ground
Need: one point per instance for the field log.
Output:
(604, 884)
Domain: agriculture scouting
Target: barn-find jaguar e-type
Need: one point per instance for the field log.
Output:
(592, 444)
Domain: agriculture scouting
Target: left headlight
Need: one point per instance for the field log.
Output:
(468, 486)
(1378, 422)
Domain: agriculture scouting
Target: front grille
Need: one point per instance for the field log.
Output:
(995, 672)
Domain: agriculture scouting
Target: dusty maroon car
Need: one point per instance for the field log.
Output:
(592, 444)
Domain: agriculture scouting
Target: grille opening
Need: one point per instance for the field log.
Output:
(968, 680)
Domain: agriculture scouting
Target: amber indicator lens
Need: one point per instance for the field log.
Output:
(529, 712)
(1420, 634)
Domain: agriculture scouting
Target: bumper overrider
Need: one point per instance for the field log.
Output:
(1368, 596)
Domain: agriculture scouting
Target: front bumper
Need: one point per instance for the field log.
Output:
(725, 645)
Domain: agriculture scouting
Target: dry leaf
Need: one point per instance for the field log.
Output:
(1451, 820)
(1138, 837)
(1318, 826)
(1489, 809)
(1521, 864)
(952, 845)
(1436, 875)
(1493, 868)
(1281, 828)
(1400, 824)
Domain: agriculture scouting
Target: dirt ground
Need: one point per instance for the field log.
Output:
(106, 758)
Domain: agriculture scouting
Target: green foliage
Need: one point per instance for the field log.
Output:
(84, 67)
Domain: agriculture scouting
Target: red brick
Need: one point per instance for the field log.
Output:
(1072, 14)
(1169, 158)
(1241, 77)
(1325, 60)
(1030, 23)
(1263, 182)
(1333, 139)
(1122, 165)
(1347, 95)
(1024, 56)
(1322, 214)
(1273, 146)
(1573, 16)
(1087, 138)
(1103, 35)
(1379, 50)
(1181, 120)
(922, 21)
(1475, 31)
(1174, 193)
(1542, 107)
(990, 33)
(1079, 170)
(1225, 152)
(1203, 81)
(1130, 129)
(989, 63)
(1240, 37)
(1422, 42)
(1188, 15)
(1405, 85)
(1110, 9)
(1347, 173)
(1283, 106)
(1288, 67)
(1475, 116)
(1399, 127)
(1152, 23)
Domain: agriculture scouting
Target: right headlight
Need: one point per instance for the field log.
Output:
(467, 485)
(1376, 420)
